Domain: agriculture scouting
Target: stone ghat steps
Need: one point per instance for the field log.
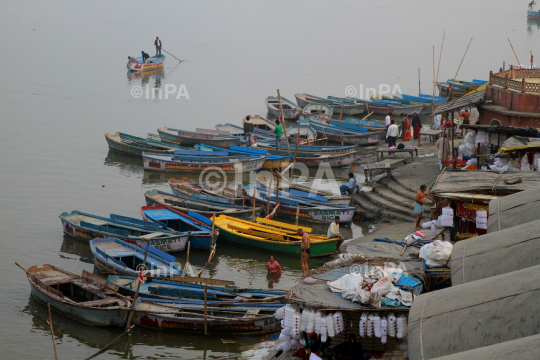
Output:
(386, 213)
(397, 188)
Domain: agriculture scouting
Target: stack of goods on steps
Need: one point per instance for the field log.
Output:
(447, 217)
(481, 219)
(436, 254)
(500, 164)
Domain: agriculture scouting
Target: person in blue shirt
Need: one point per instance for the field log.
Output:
(349, 188)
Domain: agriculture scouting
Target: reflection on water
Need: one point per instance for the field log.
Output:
(80, 248)
(145, 77)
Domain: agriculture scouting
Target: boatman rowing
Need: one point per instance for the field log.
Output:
(531, 5)
(158, 45)
(305, 247)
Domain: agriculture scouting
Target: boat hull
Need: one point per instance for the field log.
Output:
(242, 165)
(332, 161)
(156, 63)
(82, 233)
(271, 164)
(320, 215)
(128, 149)
(90, 316)
(208, 139)
(367, 139)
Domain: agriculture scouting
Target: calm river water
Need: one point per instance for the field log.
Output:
(64, 85)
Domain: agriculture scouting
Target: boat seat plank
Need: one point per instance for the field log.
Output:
(282, 225)
(79, 217)
(251, 311)
(52, 276)
(106, 301)
(89, 287)
(153, 235)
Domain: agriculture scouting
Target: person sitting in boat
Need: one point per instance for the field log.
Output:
(254, 141)
(145, 57)
(158, 45)
(273, 266)
(349, 188)
(132, 60)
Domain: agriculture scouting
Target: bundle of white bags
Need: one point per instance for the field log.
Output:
(447, 217)
(382, 326)
(433, 225)
(296, 322)
(436, 253)
(469, 145)
(481, 219)
(482, 137)
(500, 164)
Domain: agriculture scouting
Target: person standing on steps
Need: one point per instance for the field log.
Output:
(158, 45)
(392, 134)
(387, 121)
(443, 147)
(419, 204)
(278, 130)
(417, 126)
(248, 131)
(305, 248)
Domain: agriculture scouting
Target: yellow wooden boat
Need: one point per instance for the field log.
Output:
(272, 236)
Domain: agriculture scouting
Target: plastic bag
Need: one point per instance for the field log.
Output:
(384, 286)
(436, 253)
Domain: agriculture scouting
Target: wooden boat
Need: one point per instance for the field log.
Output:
(444, 89)
(418, 99)
(202, 207)
(191, 189)
(290, 110)
(271, 162)
(337, 104)
(430, 98)
(283, 239)
(119, 257)
(308, 210)
(304, 191)
(133, 231)
(191, 138)
(334, 133)
(87, 298)
(403, 106)
(318, 110)
(305, 131)
(533, 14)
(314, 150)
(169, 315)
(366, 124)
(198, 227)
(133, 145)
(232, 129)
(191, 293)
(155, 63)
(180, 161)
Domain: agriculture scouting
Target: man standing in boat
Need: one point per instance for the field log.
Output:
(305, 247)
(158, 45)
(248, 131)
(278, 130)
(531, 4)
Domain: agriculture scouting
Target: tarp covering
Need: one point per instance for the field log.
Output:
(520, 349)
(388, 250)
(476, 314)
(519, 143)
(483, 181)
(319, 294)
(513, 210)
(496, 253)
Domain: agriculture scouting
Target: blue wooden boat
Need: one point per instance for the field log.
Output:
(290, 110)
(430, 98)
(337, 134)
(337, 105)
(308, 150)
(156, 62)
(86, 226)
(191, 138)
(271, 162)
(365, 124)
(87, 298)
(418, 99)
(119, 257)
(200, 206)
(199, 226)
(184, 160)
(177, 316)
(191, 293)
(133, 145)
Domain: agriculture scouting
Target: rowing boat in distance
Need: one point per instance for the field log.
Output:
(86, 298)
(191, 138)
(338, 105)
(334, 133)
(85, 226)
(290, 110)
(153, 64)
(184, 160)
(199, 206)
(119, 257)
(276, 238)
(133, 145)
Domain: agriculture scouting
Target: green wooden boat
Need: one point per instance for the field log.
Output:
(133, 145)
(271, 236)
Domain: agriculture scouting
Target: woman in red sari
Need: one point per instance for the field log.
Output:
(417, 126)
(405, 128)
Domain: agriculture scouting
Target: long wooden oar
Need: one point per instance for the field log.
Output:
(171, 55)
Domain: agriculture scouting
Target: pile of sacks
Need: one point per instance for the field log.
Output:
(436, 254)
(500, 164)
(372, 287)
(469, 145)
(373, 325)
(434, 225)
(481, 219)
(295, 322)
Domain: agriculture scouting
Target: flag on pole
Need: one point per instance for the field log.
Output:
(141, 278)
(48, 321)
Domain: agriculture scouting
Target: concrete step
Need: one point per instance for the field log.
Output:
(392, 205)
(397, 188)
(386, 213)
(392, 196)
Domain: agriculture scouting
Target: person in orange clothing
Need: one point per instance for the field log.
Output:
(466, 116)
(406, 128)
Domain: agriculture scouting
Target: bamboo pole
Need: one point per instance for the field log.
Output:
(283, 121)
(138, 288)
(341, 130)
(419, 91)
(205, 310)
(455, 77)
(253, 200)
(519, 64)
(297, 213)
(433, 89)
(277, 184)
(341, 114)
(440, 56)
(269, 195)
(52, 331)
(212, 247)
(367, 116)
(110, 344)
(296, 146)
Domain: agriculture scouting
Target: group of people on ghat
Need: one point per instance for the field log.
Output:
(392, 129)
(145, 57)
